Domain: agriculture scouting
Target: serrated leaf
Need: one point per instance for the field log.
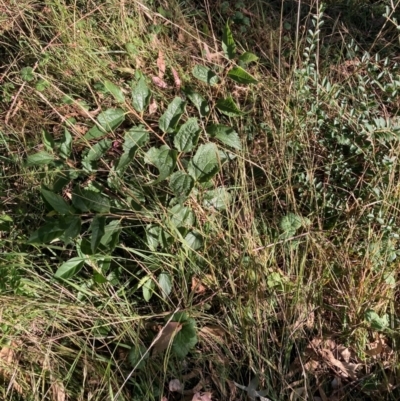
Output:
(108, 120)
(97, 228)
(87, 200)
(204, 74)
(65, 149)
(57, 202)
(199, 102)
(70, 268)
(188, 135)
(165, 283)
(205, 163)
(194, 240)
(181, 184)
(115, 90)
(141, 95)
(218, 199)
(164, 159)
(185, 339)
(48, 140)
(42, 85)
(181, 216)
(228, 107)
(227, 135)
(27, 74)
(241, 76)
(95, 153)
(377, 322)
(228, 43)
(148, 289)
(290, 224)
(170, 118)
(135, 138)
(39, 159)
(248, 57)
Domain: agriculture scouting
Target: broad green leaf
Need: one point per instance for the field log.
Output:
(228, 44)
(42, 85)
(72, 227)
(70, 268)
(188, 135)
(181, 216)
(228, 107)
(198, 100)
(95, 153)
(165, 283)
(5, 222)
(141, 95)
(48, 140)
(377, 322)
(87, 200)
(97, 228)
(135, 138)
(194, 240)
(185, 339)
(170, 118)
(241, 76)
(204, 74)
(152, 236)
(164, 159)
(57, 202)
(111, 235)
(27, 74)
(108, 120)
(137, 356)
(148, 289)
(40, 159)
(227, 135)
(218, 199)
(115, 90)
(290, 224)
(66, 145)
(181, 184)
(205, 163)
(47, 233)
(248, 57)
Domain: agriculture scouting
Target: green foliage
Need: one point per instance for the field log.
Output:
(141, 95)
(228, 44)
(205, 75)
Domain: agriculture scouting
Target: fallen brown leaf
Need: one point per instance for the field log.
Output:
(175, 386)
(159, 82)
(153, 107)
(376, 348)
(202, 397)
(58, 392)
(165, 336)
(197, 286)
(161, 64)
(177, 80)
(213, 331)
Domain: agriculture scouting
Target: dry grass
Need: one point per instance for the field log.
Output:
(292, 310)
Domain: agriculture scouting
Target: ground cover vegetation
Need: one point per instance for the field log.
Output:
(199, 200)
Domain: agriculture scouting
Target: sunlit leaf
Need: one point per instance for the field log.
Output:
(241, 76)
(172, 115)
(204, 74)
(228, 44)
(70, 268)
(141, 95)
(115, 90)
(205, 163)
